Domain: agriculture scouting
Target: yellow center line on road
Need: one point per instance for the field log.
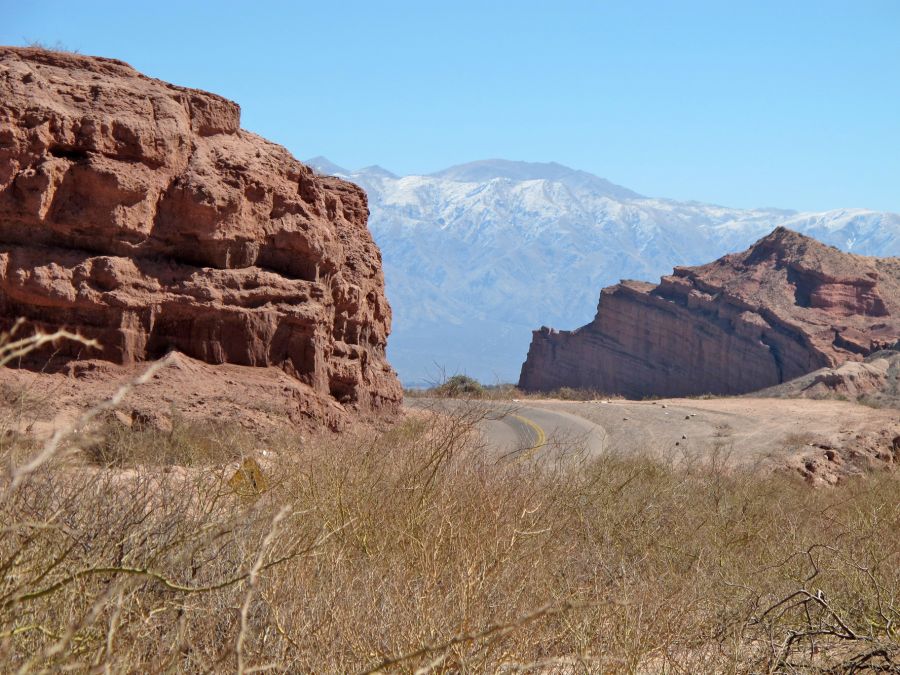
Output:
(540, 438)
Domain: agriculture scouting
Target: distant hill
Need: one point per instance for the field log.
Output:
(478, 255)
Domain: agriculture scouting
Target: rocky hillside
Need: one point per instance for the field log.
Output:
(139, 213)
(477, 255)
(786, 306)
(874, 381)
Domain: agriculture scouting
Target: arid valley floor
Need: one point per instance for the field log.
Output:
(208, 463)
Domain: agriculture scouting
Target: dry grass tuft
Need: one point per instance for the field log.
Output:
(454, 388)
(187, 444)
(415, 549)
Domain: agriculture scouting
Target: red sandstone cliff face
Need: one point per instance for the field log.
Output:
(141, 214)
(785, 307)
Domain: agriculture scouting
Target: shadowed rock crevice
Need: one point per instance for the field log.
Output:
(72, 154)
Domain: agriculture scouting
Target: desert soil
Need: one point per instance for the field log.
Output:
(822, 440)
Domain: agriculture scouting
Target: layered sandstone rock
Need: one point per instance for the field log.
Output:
(785, 307)
(874, 381)
(139, 213)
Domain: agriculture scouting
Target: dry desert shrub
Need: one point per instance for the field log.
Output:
(416, 550)
(187, 444)
(464, 387)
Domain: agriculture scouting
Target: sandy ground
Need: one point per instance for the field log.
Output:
(749, 431)
(257, 399)
(824, 441)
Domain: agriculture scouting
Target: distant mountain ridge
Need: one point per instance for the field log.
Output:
(489, 169)
(478, 255)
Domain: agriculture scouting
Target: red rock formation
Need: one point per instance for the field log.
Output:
(141, 214)
(785, 307)
(875, 380)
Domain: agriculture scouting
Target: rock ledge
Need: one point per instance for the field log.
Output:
(785, 307)
(141, 214)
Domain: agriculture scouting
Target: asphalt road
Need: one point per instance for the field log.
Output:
(520, 430)
(748, 432)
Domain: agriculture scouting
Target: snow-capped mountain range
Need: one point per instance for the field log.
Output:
(478, 255)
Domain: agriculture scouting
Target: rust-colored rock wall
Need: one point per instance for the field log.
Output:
(141, 214)
(785, 307)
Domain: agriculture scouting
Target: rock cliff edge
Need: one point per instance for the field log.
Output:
(140, 214)
(785, 307)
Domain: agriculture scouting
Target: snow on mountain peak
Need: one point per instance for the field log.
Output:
(478, 255)
(487, 169)
(378, 171)
(325, 167)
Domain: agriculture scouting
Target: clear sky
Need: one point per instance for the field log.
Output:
(738, 102)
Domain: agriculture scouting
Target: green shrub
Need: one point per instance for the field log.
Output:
(460, 385)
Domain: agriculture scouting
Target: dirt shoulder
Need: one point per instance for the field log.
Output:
(823, 440)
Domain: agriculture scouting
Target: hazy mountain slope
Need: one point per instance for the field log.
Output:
(478, 255)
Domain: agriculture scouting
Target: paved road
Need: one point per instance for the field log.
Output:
(519, 430)
(749, 432)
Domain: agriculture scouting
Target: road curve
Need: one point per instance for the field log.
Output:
(836, 438)
(517, 430)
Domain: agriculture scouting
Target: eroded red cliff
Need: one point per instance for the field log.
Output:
(785, 307)
(139, 213)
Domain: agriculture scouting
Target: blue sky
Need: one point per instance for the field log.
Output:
(793, 104)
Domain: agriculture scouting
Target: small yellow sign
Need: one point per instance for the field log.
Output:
(249, 480)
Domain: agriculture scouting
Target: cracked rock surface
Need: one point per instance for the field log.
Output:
(140, 214)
